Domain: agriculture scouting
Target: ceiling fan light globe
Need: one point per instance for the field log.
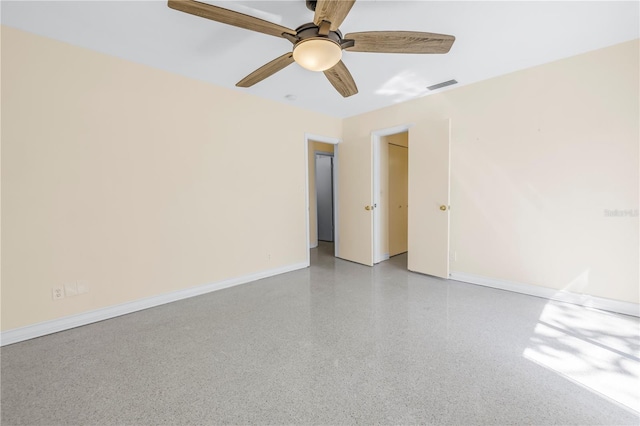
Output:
(317, 54)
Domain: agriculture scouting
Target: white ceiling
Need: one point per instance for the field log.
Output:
(492, 38)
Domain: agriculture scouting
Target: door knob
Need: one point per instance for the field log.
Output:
(443, 207)
(367, 207)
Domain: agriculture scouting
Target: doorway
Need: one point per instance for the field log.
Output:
(398, 193)
(391, 207)
(390, 221)
(324, 196)
(325, 147)
(427, 206)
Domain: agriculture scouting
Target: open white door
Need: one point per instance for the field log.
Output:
(428, 240)
(355, 228)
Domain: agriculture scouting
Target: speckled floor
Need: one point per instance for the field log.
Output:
(338, 343)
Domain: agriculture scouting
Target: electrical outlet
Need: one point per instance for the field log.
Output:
(453, 256)
(83, 286)
(57, 292)
(71, 289)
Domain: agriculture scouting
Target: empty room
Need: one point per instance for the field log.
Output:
(320, 212)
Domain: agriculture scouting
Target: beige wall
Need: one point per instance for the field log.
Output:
(398, 196)
(537, 156)
(313, 206)
(138, 181)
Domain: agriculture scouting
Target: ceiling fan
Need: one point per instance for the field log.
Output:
(318, 45)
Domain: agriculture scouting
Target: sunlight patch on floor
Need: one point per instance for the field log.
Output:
(595, 349)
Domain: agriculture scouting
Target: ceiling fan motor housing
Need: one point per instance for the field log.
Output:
(315, 49)
(311, 30)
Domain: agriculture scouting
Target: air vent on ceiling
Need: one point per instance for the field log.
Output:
(443, 84)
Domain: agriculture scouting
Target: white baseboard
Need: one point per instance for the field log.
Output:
(315, 246)
(41, 329)
(610, 305)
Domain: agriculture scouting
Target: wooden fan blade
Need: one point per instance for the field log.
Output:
(400, 42)
(267, 70)
(340, 78)
(229, 17)
(333, 11)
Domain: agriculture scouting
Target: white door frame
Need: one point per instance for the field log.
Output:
(376, 224)
(308, 137)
